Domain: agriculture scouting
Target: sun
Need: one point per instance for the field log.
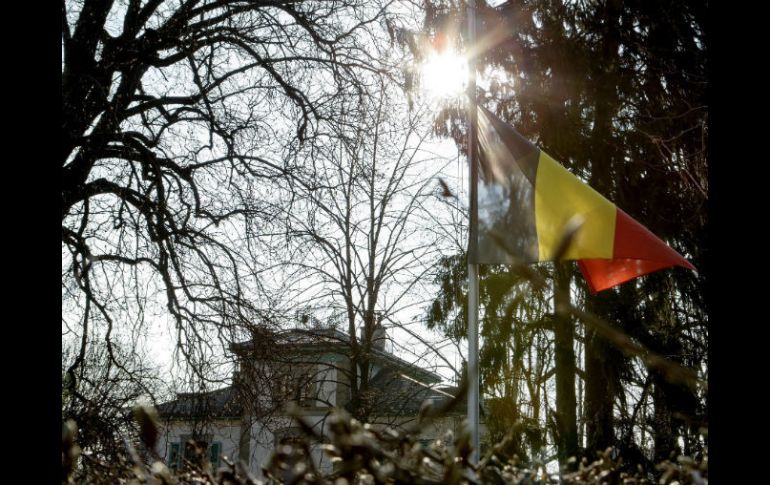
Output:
(444, 74)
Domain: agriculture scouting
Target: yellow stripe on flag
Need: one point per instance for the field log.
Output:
(559, 196)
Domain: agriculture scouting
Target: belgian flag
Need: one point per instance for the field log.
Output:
(527, 200)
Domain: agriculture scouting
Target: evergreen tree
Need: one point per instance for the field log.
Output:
(616, 91)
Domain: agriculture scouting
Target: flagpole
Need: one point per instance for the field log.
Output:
(473, 267)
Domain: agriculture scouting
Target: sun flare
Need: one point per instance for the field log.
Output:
(444, 74)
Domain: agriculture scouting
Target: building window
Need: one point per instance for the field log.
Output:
(288, 436)
(295, 385)
(194, 453)
(425, 443)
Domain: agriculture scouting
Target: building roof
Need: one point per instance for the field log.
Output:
(396, 394)
(221, 403)
(327, 340)
(391, 394)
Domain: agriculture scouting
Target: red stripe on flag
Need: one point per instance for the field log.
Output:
(636, 252)
(633, 240)
(601, 274)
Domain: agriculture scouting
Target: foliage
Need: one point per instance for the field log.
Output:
(368, 456)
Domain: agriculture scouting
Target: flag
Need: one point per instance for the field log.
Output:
(526, 202)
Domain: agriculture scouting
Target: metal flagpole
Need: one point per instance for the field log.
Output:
(473, 267)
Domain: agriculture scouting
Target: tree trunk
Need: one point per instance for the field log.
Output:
(662, 421)
(599, 394)
(566, 415)
(600, 356)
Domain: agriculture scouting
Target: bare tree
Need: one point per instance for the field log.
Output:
(356, 238)
(172, 116)
(178, 117)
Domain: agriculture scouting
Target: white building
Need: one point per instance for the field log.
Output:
(309, 369)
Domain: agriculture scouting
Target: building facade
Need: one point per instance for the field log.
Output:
(306, 372)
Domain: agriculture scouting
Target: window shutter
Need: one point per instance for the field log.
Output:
(174, 455)
(214, 452)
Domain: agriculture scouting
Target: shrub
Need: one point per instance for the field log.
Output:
(363, 455)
